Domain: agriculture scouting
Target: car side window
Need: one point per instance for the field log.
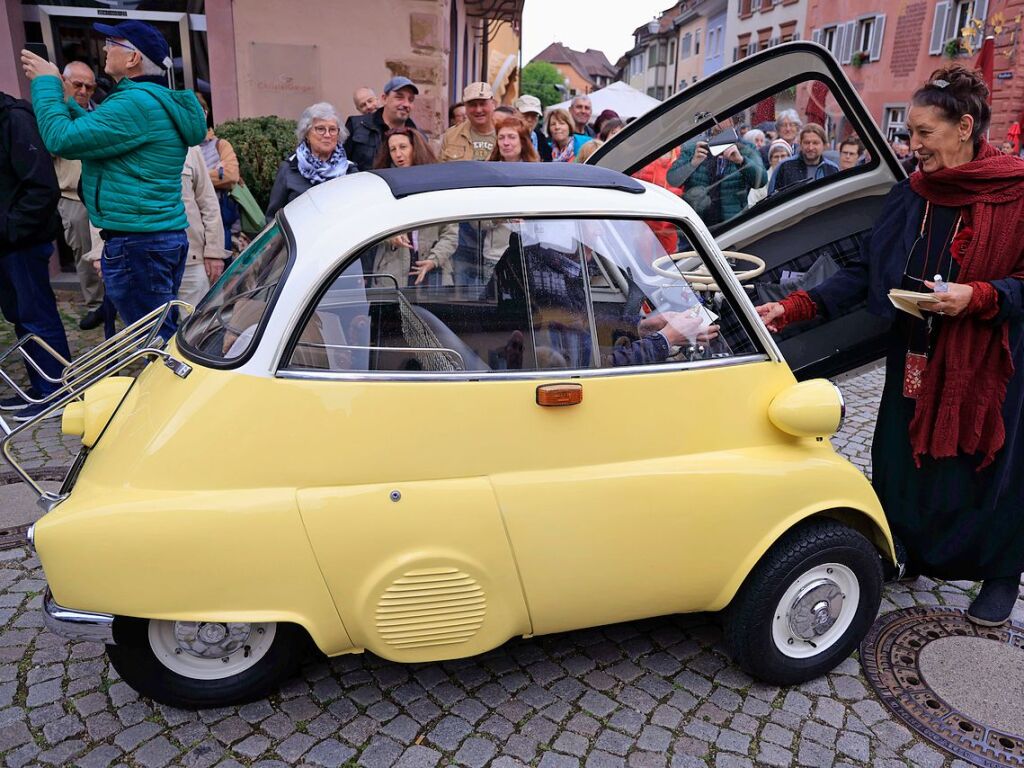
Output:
(492, 296)
(223, 327)
(781, 145)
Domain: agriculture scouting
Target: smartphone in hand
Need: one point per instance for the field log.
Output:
(39, 49)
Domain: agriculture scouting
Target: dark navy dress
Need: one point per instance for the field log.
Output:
(956, 522)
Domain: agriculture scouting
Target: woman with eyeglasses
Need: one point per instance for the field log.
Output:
(319, 157)
(948, 450)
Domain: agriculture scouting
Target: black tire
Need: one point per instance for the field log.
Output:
(137, 664)
(748, 621)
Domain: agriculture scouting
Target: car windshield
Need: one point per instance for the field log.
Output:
(224, 324)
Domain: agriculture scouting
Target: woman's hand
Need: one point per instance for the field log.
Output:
(400, 241)
(35, 66)
(422, 268)
(214, 269)
(950, 303)
(770, 314)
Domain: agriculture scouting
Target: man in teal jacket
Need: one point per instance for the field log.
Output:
(132, 148)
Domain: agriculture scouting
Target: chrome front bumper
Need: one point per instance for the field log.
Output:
(77, 625)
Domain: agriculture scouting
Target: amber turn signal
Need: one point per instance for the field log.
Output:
(555, 395)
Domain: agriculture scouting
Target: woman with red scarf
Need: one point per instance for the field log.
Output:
(948, 451)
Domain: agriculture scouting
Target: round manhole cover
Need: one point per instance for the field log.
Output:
(958, 685)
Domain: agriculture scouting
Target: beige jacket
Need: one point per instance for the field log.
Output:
(68, 174)
(227, 174)
(205, 227)
(456, 144)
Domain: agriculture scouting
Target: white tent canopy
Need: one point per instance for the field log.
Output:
(625, 100)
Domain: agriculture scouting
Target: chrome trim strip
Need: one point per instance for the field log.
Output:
(416, 350)
(578, 373)
(77, 625)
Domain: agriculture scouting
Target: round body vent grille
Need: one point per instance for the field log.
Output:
(431, 606)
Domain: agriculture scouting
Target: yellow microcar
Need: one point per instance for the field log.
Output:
(432, 409)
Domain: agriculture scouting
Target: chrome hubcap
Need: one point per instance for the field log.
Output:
(209, 650)
(815, 609)
(210, 640)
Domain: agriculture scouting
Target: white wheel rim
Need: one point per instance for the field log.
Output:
(241, 647)
(815, 611)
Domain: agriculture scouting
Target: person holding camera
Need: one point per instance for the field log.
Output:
(717, 184)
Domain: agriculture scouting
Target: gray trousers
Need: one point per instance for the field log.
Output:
(76, 233)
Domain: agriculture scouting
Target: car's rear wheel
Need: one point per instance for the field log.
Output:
(205, 664)
(806, 605)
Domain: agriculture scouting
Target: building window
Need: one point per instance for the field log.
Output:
(787, 32)
(656, 54)
(828, 38)
(951, 16)
(636, 65)
(895, 120)
(745, 8)
(711, 42)
(684, 46)
(865, 30)
(671, 50)
(743, 47)
(696, 43)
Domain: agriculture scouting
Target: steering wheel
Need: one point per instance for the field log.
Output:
(689, 266)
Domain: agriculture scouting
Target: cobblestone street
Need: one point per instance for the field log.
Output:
(659, 692)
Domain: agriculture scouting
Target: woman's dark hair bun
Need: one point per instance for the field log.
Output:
(956, 90)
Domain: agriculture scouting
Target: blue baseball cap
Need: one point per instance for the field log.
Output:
(143, 36)
(400, 82)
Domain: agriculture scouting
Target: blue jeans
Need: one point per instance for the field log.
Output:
(141, 272)
(27, 302)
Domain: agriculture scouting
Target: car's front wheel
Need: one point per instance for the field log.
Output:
(195, 664)
(806, 605)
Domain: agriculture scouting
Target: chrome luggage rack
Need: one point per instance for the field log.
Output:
(138, 341)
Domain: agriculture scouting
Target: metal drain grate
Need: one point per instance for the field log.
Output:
(13, 536)
(925, 690)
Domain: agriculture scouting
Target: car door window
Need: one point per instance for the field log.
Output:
(653, 297)
(727, 165)
(223, 328)
(520, 294)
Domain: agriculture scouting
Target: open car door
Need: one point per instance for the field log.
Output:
(804, 229)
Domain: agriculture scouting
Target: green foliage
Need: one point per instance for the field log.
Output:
(539, 79)
(261, 143)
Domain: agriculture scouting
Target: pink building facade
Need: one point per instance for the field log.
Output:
(258, 57)
(889, 49)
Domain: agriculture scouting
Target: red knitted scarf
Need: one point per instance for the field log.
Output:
(959, 410)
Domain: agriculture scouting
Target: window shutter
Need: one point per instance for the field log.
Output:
(851, 35)
(952, 17)
(816, 36)
(980, 13)
(939, 28)
(877, 36)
